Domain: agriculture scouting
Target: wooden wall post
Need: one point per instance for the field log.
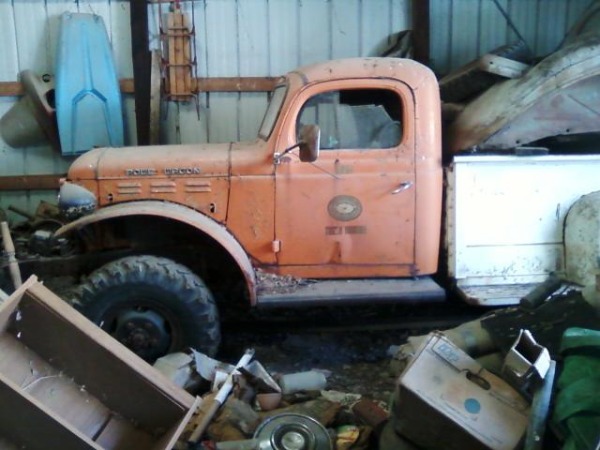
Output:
(142, 60)
(421, 28)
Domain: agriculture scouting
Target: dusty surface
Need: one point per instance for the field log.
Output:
(351, 343)
(356, 360)
(275, 284)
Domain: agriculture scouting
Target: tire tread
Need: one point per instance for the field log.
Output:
(164, 273)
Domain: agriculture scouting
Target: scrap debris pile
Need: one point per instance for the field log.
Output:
(521, 377)
(247, 408)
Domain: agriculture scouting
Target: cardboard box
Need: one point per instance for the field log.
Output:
(445, 399)
(65, 383)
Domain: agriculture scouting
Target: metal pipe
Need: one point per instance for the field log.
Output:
(540, 409)
(538, 295)
(9, 248)
(205, 418)
(511, 23)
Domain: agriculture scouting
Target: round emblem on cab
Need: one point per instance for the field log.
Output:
(344, 208)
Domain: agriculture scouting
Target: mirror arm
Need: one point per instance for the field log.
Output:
(277, 156)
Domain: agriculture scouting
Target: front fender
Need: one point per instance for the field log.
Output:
(179, 213)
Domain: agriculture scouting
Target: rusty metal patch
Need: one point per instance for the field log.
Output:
(344, 208)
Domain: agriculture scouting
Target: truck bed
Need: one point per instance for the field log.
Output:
(505, 215)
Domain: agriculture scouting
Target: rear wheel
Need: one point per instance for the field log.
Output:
(152, 305)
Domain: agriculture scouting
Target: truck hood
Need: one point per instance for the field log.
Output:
(153, 161)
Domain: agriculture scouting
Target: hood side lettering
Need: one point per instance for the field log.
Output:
(140, 172)
(182, 171)
(169, 171)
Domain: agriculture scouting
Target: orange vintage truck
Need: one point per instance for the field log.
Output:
(344, 188)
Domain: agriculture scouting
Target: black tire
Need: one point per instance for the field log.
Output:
(152, 305)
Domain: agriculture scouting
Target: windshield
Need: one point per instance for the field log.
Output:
(272, 111)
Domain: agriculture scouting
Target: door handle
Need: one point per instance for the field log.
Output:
(403, 186)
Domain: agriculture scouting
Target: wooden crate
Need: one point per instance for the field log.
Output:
(65, 383)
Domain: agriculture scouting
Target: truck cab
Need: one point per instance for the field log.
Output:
(357, 210)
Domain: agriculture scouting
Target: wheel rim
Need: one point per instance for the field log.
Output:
(147, 330)
(142, 331)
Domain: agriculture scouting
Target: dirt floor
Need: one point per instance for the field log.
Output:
(355, 361)
(350, 345)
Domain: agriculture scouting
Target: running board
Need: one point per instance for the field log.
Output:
(355, 292)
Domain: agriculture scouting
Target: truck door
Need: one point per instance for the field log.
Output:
(351, 213)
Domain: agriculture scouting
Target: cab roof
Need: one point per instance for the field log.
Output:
(407, 70)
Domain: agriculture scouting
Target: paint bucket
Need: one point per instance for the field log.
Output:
(31, 121)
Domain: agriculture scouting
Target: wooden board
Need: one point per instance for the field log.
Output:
(59, 393)
(179, 57)
(96, 360)
(77, 383)
(25, 423)
(212, 84)
(172, 22)
(31, 182)
(119, 435)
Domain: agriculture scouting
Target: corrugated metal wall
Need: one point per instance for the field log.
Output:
(463, 29)
(28, 39)
(269, 38)
(258, 38)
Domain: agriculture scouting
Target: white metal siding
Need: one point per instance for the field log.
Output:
(269, 38)
(461, 30)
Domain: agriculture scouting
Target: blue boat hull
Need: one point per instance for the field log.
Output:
(88, 100)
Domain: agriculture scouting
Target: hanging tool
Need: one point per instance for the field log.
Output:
(178, 48)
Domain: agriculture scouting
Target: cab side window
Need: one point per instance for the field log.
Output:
(355, 118)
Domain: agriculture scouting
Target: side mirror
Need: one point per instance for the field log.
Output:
(310, 140)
